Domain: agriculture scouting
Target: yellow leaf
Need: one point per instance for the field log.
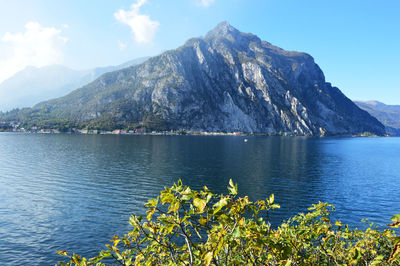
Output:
(288, 262)
(395, 252)
(174, 207)
(203, 221)
(338, 223)
(208, 258)
(219, 246)
(395, 224)
(326, 220)
(62, 252)
(150, 214)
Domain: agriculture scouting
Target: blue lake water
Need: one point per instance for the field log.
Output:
(74, 192)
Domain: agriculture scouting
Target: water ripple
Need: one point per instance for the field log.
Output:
(74, 192)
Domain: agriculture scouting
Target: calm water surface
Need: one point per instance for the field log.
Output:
(74, 192)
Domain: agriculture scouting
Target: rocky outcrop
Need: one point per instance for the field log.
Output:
(224, 81)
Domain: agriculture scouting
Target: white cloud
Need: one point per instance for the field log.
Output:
(143, 28)
(121, 45)
(38, 46)
(205, 3)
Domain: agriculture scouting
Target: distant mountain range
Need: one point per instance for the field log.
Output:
(388, 115)
(224, 81)
(33, 85)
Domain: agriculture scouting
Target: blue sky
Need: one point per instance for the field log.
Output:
(356, 43)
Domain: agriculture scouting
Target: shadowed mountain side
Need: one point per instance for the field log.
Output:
(388, 115)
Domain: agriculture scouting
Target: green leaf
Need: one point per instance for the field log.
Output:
(203, 220)
(167, 197)
(396, 221)
(187, 194)
(105, 253)
(219, 205)
(152, 202)
(378, 260)
(271, 199)
(395, 218)
(232, 187)
(275, 206)
(174, 207)
(357, 254)
(236, 233)
(200, 204)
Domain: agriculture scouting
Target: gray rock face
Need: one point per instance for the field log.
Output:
(224, 81)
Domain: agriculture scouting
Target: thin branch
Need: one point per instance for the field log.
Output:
(112, 255)
(190, 249)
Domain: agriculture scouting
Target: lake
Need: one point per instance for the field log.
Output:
(74, 192)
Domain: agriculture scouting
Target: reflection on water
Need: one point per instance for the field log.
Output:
(74, 192)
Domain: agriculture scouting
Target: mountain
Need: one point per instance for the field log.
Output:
(33, 85)
(388, 115)
(224, 81)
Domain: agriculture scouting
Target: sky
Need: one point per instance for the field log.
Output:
(356, 43)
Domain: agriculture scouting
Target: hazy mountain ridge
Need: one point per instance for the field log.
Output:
(225, 81)
(388, 115)
(33, 85)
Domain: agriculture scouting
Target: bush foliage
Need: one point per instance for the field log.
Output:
(187, 227)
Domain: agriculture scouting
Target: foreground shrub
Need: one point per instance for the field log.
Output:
(187, 227)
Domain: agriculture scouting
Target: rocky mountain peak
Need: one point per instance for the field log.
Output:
(227, 81)
(224, 30)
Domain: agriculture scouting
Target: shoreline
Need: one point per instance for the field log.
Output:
(184, 133)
